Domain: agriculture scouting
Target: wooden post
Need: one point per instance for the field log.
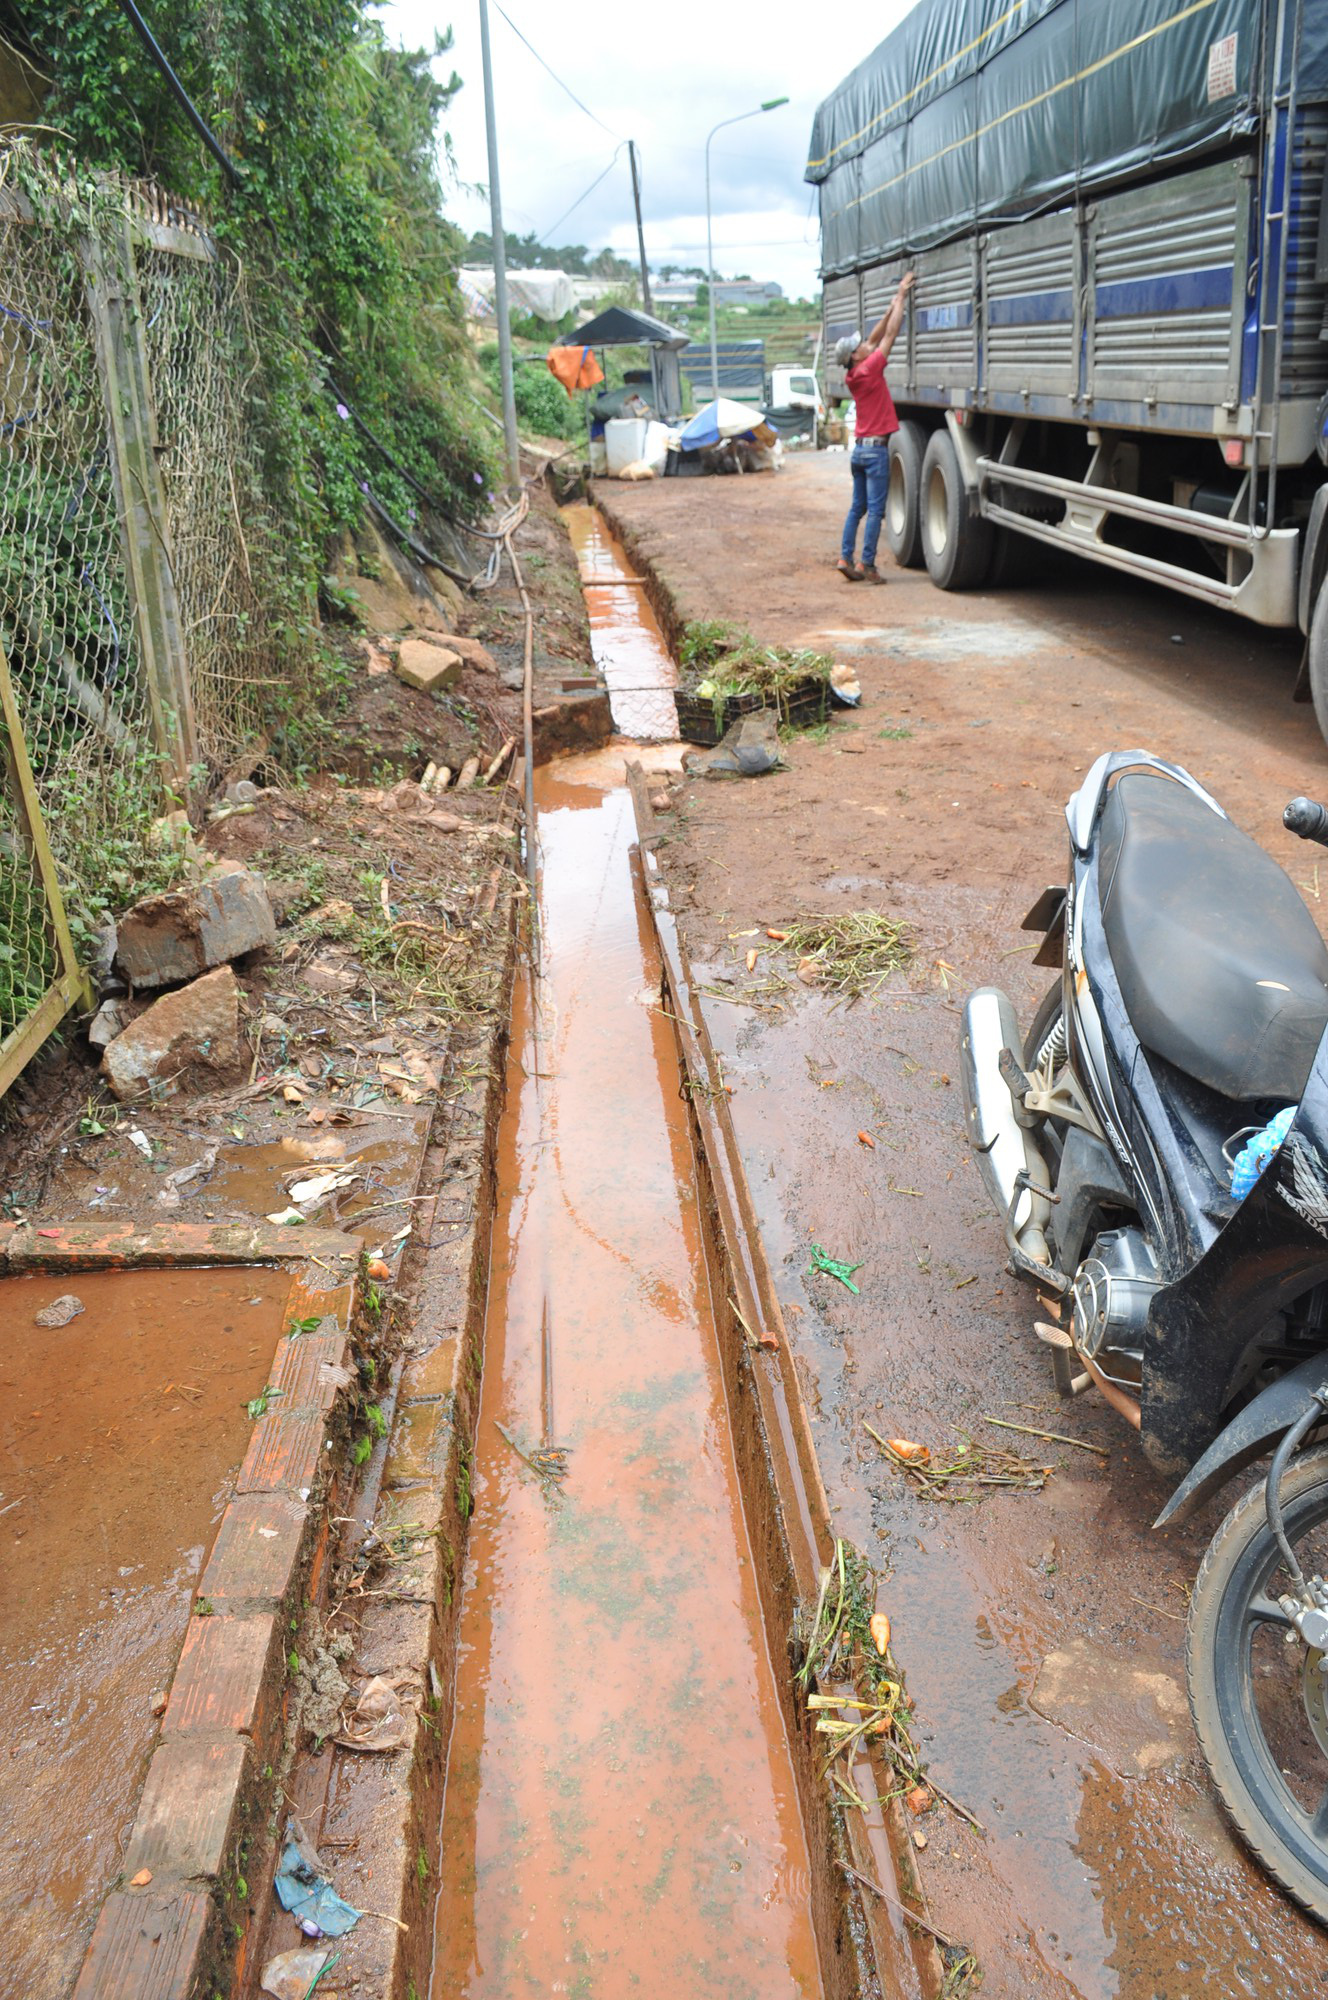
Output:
(131, 426)
(70, 987)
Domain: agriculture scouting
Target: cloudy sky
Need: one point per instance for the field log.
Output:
(662, 76)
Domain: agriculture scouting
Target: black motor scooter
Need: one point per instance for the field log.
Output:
(1190, 1012)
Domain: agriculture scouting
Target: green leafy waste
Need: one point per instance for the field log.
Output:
(833, 1268)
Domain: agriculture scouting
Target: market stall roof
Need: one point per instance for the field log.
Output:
(619, 326)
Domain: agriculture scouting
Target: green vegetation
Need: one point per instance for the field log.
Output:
(722, 664)
(851, 954)
(337, 220)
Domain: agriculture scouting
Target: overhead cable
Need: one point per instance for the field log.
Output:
(554, 74)
(546, 234)
(181, 95)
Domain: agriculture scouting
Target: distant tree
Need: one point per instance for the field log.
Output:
(606, 265)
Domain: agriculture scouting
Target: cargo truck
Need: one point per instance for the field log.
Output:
(1118, 338)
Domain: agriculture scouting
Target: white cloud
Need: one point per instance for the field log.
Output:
(663, 79)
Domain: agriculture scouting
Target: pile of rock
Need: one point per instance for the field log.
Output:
(186, 940)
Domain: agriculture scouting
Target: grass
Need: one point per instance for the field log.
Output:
(964, 1473)
(852, 954)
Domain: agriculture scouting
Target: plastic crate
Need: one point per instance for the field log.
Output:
(703, 720)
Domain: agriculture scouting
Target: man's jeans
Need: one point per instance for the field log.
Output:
(870, 466)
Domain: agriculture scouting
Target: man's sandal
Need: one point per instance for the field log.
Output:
(849, 571)
(870, 574)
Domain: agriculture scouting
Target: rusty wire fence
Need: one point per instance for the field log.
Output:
(137, 654)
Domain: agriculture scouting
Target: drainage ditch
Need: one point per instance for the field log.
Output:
(632, 1801)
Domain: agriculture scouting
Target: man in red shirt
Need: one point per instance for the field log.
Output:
(874, 422)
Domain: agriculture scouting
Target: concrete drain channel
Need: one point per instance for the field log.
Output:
(633, 1796)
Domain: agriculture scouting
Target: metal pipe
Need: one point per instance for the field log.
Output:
(513, 442)
(771, 104)
(1136, 506)
(1120, 1400)
(1190, 582)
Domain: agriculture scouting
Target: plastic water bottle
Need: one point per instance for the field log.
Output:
(1255, 1154)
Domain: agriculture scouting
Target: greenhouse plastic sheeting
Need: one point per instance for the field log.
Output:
(976, 111)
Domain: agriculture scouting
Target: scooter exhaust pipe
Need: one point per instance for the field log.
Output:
(1004, 1148)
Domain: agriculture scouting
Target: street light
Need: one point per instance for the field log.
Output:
(771, 104)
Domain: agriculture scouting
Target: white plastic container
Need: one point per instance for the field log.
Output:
(624, 441)
(599, 458)
(655, 451)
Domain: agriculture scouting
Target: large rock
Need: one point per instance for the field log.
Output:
(432, 668)
(175, 936)
(196, 1028)
(470, 651)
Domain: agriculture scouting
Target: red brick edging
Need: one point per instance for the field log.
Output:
(207, 1786)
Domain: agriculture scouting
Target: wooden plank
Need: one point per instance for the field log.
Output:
(174, 241)
(117, 317)
(27, 803)
(22, 1043)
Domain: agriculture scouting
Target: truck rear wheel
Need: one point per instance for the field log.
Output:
(955, 544)
(903, 496)
(1317, 659)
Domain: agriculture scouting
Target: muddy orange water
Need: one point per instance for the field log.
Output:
(629, 651)
(620, 1816)
(119, 1438)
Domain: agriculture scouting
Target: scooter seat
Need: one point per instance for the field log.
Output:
(1220, 965)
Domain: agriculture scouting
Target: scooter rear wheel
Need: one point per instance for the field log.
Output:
(1260, 1705)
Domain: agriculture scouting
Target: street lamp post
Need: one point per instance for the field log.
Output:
(771, 104)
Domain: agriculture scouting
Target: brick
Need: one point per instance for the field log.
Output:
(310, 1293)
(145, 1945)
(188, 1805)
(434, 1374)
(284, 1453)
(421, 1444)
(394, 1637)
(219, 1681)
(82, 1246)
(256, 1552)
(310, 1371)
(421, 665)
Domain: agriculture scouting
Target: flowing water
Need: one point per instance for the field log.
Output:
(620, 1816)
(629, 650)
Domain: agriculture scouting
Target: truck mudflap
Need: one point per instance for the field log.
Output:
(1247, 1437)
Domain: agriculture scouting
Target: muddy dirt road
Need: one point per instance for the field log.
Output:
(1041, 1632)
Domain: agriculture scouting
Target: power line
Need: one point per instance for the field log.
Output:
(557, 79)
(547, 233)
(181, 95)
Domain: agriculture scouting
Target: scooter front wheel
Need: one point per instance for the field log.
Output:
(1259, 1697)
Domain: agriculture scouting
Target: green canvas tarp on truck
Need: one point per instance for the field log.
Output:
(984, 111)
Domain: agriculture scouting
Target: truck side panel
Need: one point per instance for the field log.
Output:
(1168, 262)
(1032, 297)
(942, 355)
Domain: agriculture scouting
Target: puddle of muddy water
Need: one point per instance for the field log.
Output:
(119, 1437)
(620, 1815)
(625, 637)
(1047, 1690)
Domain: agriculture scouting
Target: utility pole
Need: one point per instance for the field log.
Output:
(499, 265)
(640, 233)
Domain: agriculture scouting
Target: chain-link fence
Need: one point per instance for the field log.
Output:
(140, 650)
